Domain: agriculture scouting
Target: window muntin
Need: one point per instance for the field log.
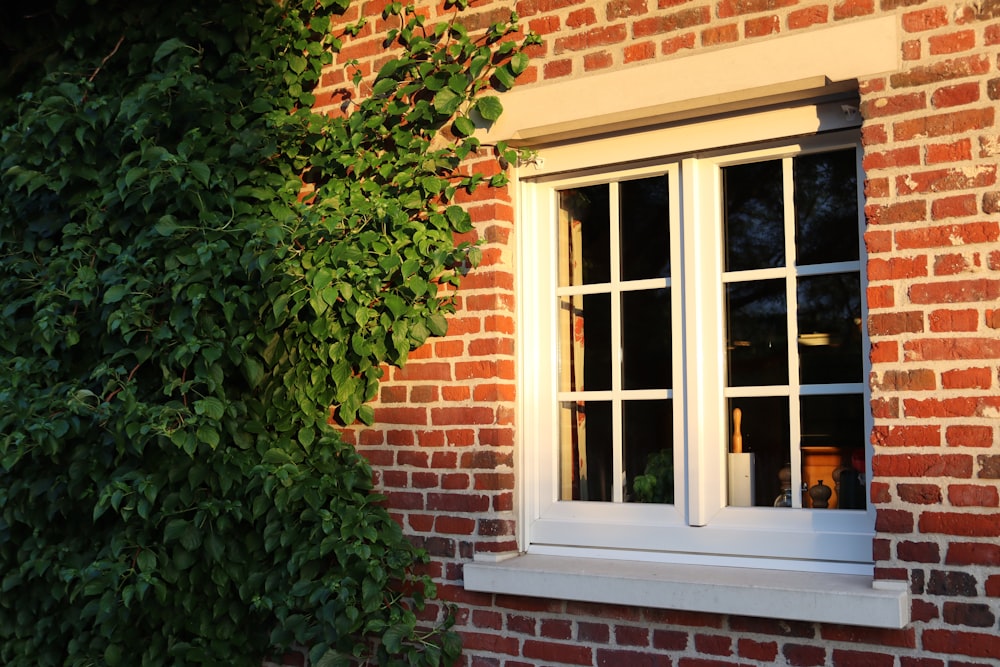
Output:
(675, 392)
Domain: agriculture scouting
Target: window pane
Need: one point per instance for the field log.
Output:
(754, 216)
(826, 207)
(649, 451)
(833, 446)
(829, 320)
(584, 236)
(585, 342)
(645, 230)
(585, 450)
(765, 433)
(646, 340)
(756, 321)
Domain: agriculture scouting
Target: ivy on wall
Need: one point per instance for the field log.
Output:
(178, 318)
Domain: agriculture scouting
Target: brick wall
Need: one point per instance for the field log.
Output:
(444, 444)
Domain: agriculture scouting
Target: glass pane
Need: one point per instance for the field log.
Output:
(585, 450)
(585, 342)
(826, 207)
(833, 452)
(829, 320)
(645, 228)
(649, 451)
(765, 438)
(646, 339)
(754, 216)
(756, 321)
(584, 236)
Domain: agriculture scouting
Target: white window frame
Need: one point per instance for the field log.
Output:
(699, 527)
(669, 94)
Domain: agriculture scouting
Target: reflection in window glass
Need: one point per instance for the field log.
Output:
(829, 321)
(646, 340)
(757, 326)
(649, 452)
(753, 210)
(765, 430)
(826, 207)
(585, 342)
(585, 437)
(584, 236)
(832, 454)
(645, 228)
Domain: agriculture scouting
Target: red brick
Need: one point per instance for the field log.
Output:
(854, 634)
(390, 415)
(579, 18)
(423, 371)
(922, 465)
(557, 629)
(890, 106)
(973, 553)
(969, 436)
(925, 19)
(893, 521)
(953, 122)
(493, 481)
(757, 650)
(905, 211)
(449, 525)
(907, 436)
(897, 267)
(800, 655)
(489, 641)
(618, 657)
(954, 349)
(521, 624)
(960, 291)
(919, 552)
(973, 495)
(713, 644)
(725, 34)
(670, 640)
(885, 352)
(551, 652)
(890, 324)
(455, 481)
(944, 180)
(853, 8)
(881, 296)
(965, 525)
(656, 25)
(952, 96)
(628, 635)
(950, 641)
(957, 151)
(808, 16)
(675, 44)
(557, 68)
(846, 658)
(595, 61)
(952, 42)
(953, 320)
(906, 156)
(885, 408)
(760, 27)
(455, 393)
(954, 207)
(919, 494)
(950, 264)
(593, 38)
(639, 51)
(619, 9)
(878, 240)
(457, 502)
(947, 236)
(731, 8)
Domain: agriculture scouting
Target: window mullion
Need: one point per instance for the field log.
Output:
(791, 295)
(617, 431)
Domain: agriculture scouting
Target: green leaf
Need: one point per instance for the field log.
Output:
(446, 101)
(489, 108)
(166, 48)
(210, 407)
(464, 127)
(115, 293)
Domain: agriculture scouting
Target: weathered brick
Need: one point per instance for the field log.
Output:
(920, 494)
(973, 495)
(919, 552)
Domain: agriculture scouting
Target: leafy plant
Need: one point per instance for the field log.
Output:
(656, 483)
(179, 318)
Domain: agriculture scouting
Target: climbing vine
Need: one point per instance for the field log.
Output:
(195, 267)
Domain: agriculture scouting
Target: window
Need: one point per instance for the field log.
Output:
(694, 326)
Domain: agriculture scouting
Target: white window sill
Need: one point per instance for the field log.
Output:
(803, 596)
